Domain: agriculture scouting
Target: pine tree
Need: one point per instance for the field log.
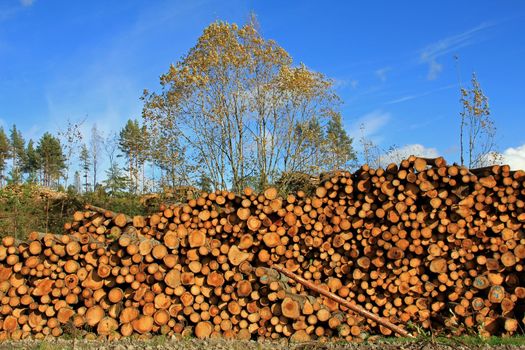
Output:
(130, 139)
(4, 154)
(32, 162)
(17, 154)
(339, 144)
(52, 159)
(85, 162)
(309, 143)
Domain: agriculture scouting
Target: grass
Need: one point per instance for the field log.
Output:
(163, 342)
(459, 340)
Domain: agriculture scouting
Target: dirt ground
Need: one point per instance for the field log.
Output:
(194, 344)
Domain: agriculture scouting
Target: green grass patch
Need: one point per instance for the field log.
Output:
(459, 340)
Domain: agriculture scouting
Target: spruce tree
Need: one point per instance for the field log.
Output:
(115, 183)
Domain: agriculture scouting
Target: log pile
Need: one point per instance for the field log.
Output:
(419, 243)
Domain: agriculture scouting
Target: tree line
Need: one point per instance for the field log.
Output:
(42, 162)
(233, 112)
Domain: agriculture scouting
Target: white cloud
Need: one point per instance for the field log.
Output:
(414, 96)
(369, 124)
(515, 157)
(342, 83)
(434, 70)
(448, 45)
(382, 73)
(396, 155)
(27, 3)
(402, 99)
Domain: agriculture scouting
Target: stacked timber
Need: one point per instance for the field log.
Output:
(419, 242)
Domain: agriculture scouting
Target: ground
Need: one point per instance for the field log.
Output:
(218, 344)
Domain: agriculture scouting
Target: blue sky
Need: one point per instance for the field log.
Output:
(392, 61)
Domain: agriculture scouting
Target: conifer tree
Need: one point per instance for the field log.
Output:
(4, 154)
(32, 163)
(85, 163)
(115, 183)
(52, 159)
(338, 144)
(17, 154)
(131, 145)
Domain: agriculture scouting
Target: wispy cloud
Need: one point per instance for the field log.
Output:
(381, 73)
(434, 70)
(430, 54)
(369, 125)
(415, 96)
(7, 12)
(11, 10)
(27, 3)
(396, 155)
(343, 83)
(402, 99)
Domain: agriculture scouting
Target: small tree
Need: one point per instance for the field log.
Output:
(85, 162)
(371, 153)
(116, 182)
(476, 127)
(95, 144)
(71, 138)
(204, 183)
(111, 146)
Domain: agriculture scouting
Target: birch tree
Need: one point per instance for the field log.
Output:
(71, 138)
(477, 129)
(238, 107)
(95, 143)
